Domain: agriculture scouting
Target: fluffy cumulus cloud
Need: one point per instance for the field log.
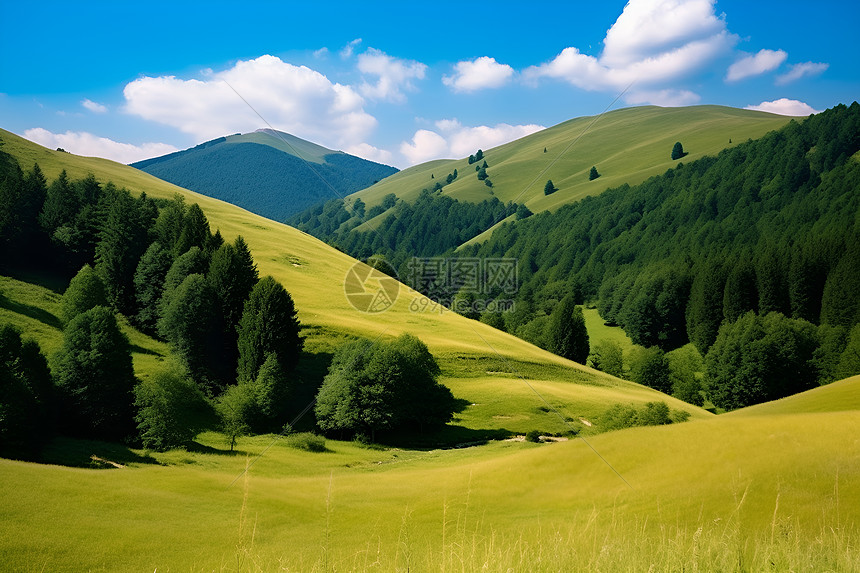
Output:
(391, 76)
(798, 71)
(93, 106)
(784, 106)
(478, 74)
(83, 143)
(371, 153)
(291, 98)
(755, 65)
(456, 140)
(652, 43)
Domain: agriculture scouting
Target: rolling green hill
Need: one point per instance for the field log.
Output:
(627, 146)
(268, 172)
(773, 491)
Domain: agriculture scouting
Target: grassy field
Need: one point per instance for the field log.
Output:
(736, 493)
(626, 146)
(769, 490)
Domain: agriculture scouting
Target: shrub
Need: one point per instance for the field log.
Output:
(307, 441)
(533, 436)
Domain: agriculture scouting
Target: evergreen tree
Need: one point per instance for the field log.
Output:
(85, 291)
(190, 263)
(169, 225)
(593, 174)
(268, 325)
(849, 361)
(149, 285)
(192, 328)
(26, 395)
(479, 155)
(772, 283)
(741, 293)
(61, 205)
(678, 151)
(705, 309)
(195, 230)
(567, 335)
(95, 376)
(523, 212)
(271, 391)
(840, 303)
(232, 274)
(549, 188)
(122, 242)
(482, 174)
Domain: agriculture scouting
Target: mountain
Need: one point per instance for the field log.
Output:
(268, 172)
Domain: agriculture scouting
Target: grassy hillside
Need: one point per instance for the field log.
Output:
(271, 173)
(626, 146)
(731, 494)
(773, 491)
(841, 396)
(314, 274)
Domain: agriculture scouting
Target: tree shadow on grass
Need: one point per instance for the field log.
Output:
(449, 437)
(198, 448)
(93, 454)
(33, 312)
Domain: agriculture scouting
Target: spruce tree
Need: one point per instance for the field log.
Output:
(593, 174)
(122, 242)
(95, 376)
(269, 324)
(149, 285)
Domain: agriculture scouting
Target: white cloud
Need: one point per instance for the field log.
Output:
(663, 98)
(798, 71)
(393, 75)
(651, 43)
(87, 144)
(763, 61)
(322, 53)
(784, 106)
(295, 99)
(482, 73)
(460, 141)
(371, 153)
(426, 145)
(93, 106)
(347, 51)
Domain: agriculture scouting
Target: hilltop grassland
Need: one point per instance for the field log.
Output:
(626, 146)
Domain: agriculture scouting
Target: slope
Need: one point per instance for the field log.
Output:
(627, 146)
(314, 273)
(730, 493)
(840, 396)
(270, 173)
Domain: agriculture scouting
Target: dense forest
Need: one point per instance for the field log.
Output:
(433, 225)
(263, 179)
(768, 226)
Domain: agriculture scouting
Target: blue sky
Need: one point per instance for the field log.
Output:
(401, 82)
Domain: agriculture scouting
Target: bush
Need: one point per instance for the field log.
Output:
(620, 416)
(307, 441)
(171, 410)
(533, 436)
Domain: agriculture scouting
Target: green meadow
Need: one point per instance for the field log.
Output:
(774, 487)
(627, 146)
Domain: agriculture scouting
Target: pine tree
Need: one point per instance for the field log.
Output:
(678, 151)
(593, 174)
(121, 244)
(741, 291)
(95, 376)
(149, 285)
(549, 188)
(705, 308)
(268, 324)
(192, 327)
